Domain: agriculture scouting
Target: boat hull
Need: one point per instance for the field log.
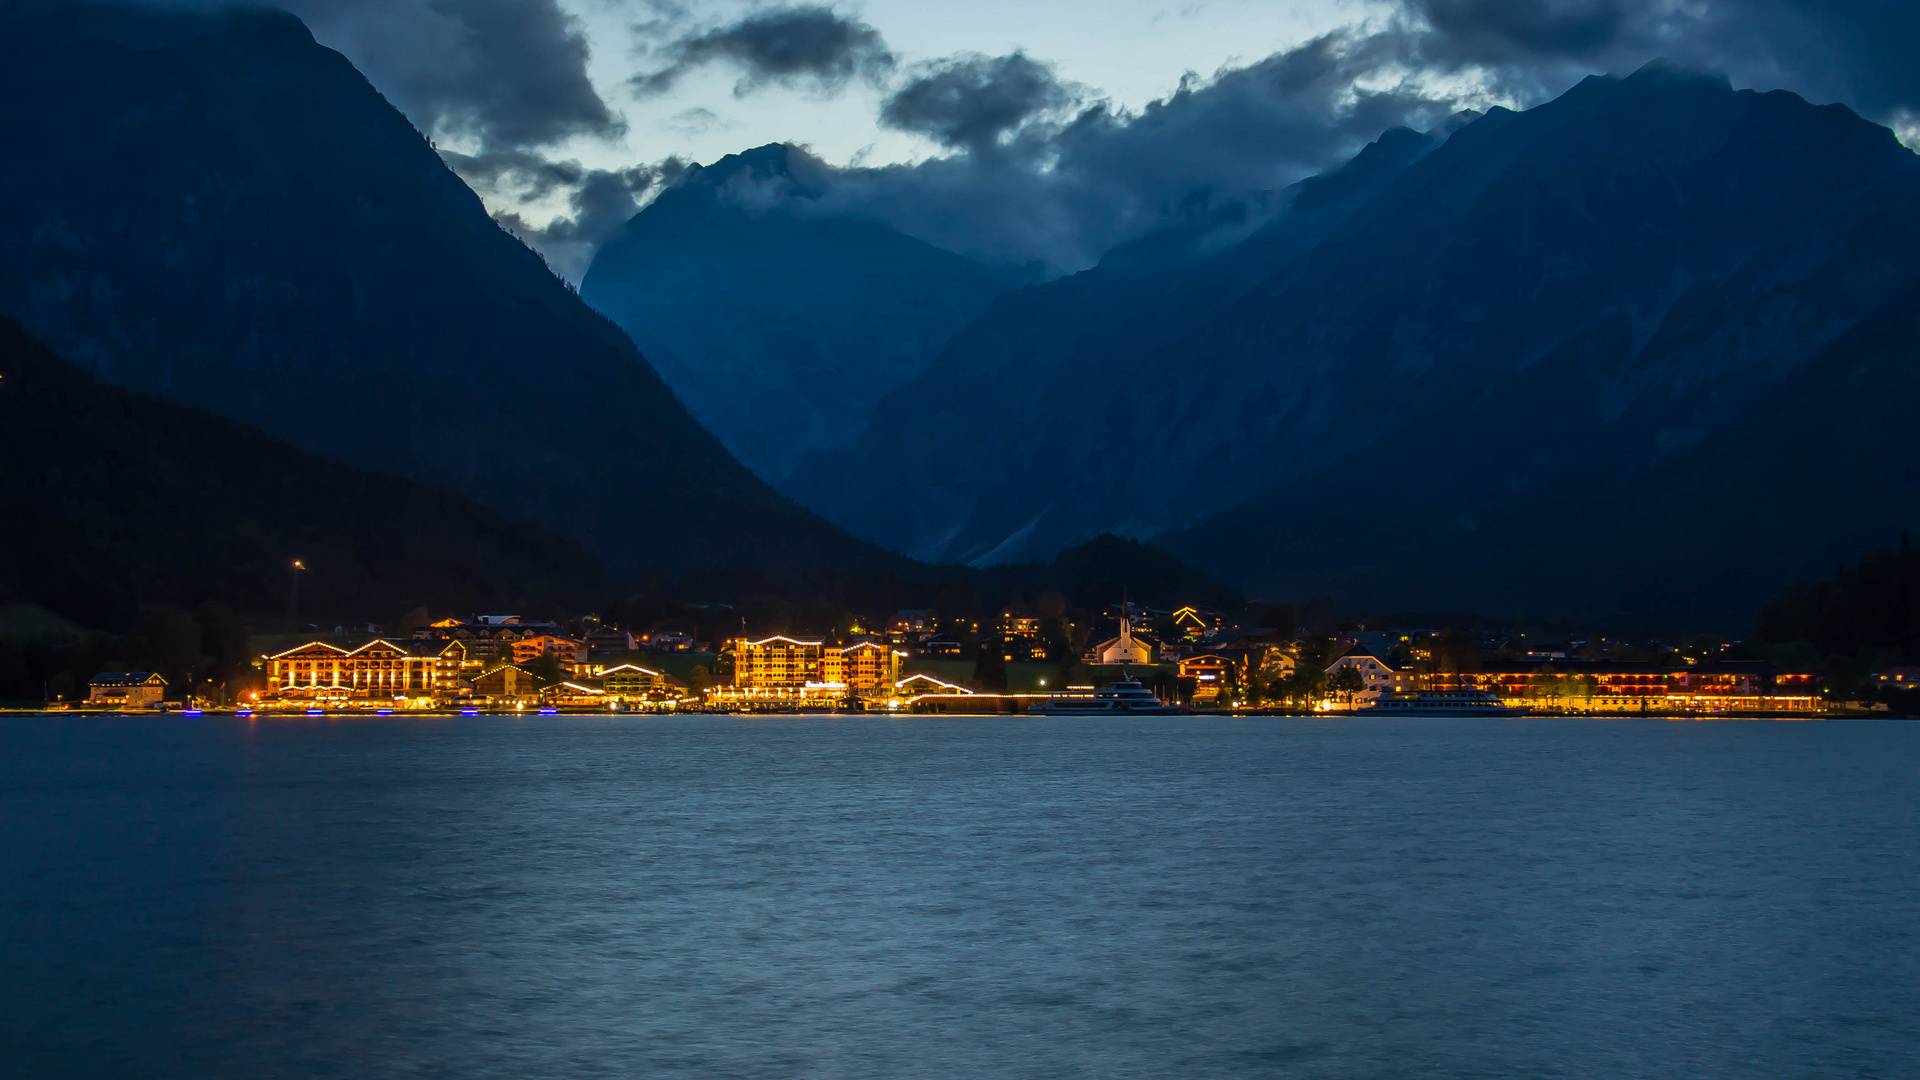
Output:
(1048, 709)
(1500, 710)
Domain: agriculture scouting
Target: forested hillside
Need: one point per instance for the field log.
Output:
(216, 209)
(121, 500)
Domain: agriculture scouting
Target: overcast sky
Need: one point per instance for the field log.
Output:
(1132, 51)
(1062, 126)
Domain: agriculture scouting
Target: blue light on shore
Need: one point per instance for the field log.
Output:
(548, 712)
(383, 712)
(316, 712)
(469, 712)
(192, 712)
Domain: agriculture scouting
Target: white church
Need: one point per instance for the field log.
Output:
(1125, 649)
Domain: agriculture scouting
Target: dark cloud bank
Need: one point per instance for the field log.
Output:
(803, 47)
(1041, 170)
(1037, 169)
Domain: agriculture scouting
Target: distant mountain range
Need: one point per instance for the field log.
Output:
(213, 208)
(1641, 353)
(119, 500)
(779, 322)
(1469, 371)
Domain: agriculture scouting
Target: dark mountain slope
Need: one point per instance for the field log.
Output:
(120, 499)
(781, 325)
(1053, 411)
(1530, 325)
(1551, 349)
(216, 209)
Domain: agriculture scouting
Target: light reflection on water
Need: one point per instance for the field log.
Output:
(982, 897)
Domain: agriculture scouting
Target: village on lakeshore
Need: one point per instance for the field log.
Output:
(1189, 659)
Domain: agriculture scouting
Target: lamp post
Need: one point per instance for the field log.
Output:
(293, 595)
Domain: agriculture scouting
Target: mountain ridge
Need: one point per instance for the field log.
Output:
(779, 321)
(291, 253)
(1574, 297)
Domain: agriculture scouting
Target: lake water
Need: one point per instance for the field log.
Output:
(1180, 897)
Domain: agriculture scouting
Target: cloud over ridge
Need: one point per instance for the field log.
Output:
(1027, 166)
(804, 46)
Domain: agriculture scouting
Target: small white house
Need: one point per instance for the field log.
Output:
(1376, 676)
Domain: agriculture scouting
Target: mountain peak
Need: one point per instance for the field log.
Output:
(1661, 71)
(761, 177)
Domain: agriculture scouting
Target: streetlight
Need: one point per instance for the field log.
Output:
(293, 595)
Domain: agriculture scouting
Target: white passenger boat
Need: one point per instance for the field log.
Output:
(1445, 703)
(1127, 697)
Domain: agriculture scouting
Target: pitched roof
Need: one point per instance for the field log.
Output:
(126, 678)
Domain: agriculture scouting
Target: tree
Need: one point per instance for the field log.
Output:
(990, 666)
(413, 620)
(1283, 619)
(546, 670)
(1347, 682)
(1453, 653)
(166, 640)
(229, 650)
(1306, 685)
(699, 680)
(1063, 669)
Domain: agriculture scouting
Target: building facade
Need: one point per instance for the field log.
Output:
(127, 689)
(569, 652)
(379, 670)
(867, 669)
(792, 670)
(1377, 677)
(1121, 649)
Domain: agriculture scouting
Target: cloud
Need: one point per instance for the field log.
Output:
(508, 74)
(1040, 175)
(599, 200)
(1856, 51)
(696, 121)
(1037, 169)
(801, 46)
(970, 101)
(1506, 27)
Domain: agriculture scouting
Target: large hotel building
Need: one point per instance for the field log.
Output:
(780, 668)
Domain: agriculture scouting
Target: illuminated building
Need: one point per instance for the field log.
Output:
(781, 668)
(1022, 649)
(909, 626)
(1376, 675)
(608, 639)
(1196, 623)
(378, 670)
(941, 647)
(569, 652)
(1019, 626)
(1607, 686)
(1122, 649)
(127, 689)
(865, 668)
(577, 695)
(1209, 672)
(776, 663)
(487, 637)
(505, 685)
(1213, 672)
(634, 685)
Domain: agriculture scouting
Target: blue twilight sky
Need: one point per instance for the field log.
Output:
(1032, 130)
